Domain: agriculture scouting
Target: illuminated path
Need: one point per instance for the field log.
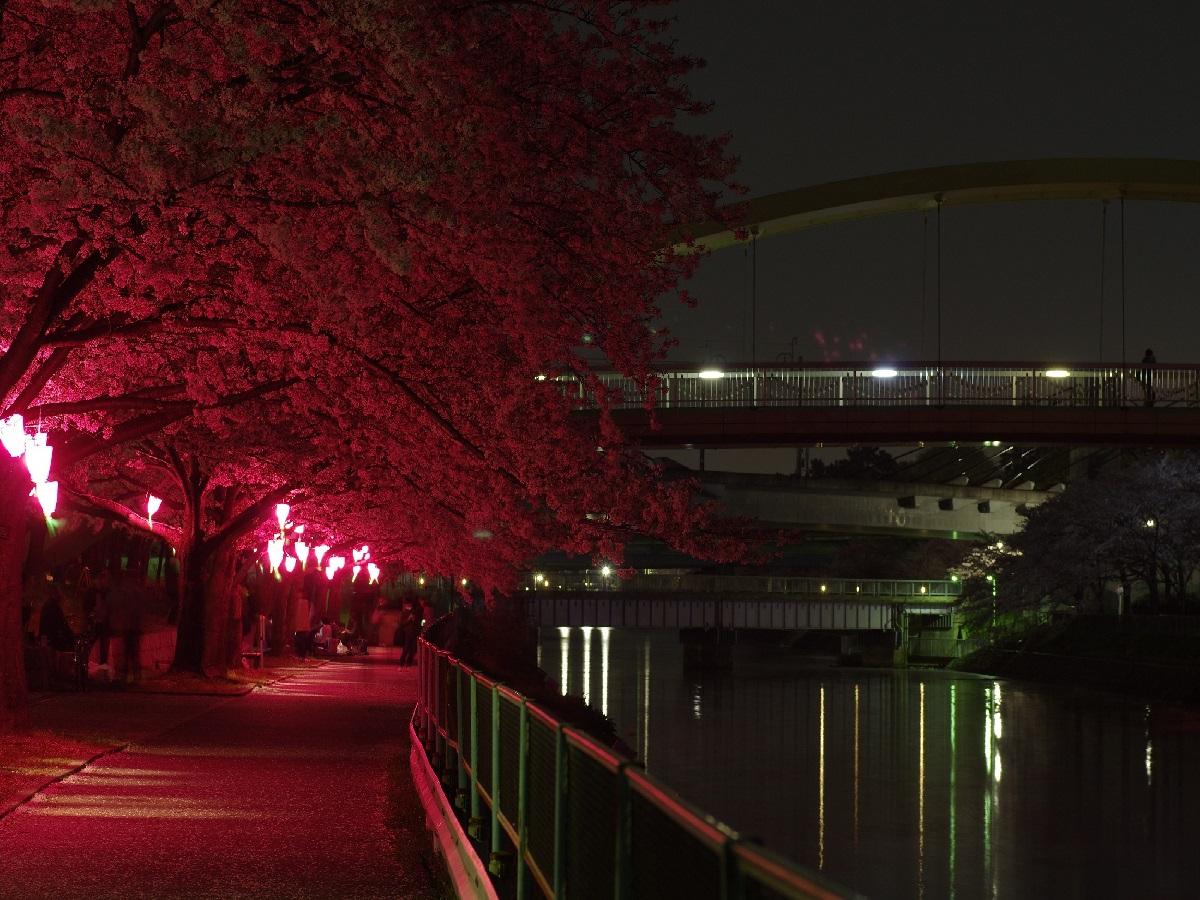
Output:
(282, 793)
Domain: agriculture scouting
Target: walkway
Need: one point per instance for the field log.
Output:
(297, 790)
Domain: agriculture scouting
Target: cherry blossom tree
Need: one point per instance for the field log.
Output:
(440, 198)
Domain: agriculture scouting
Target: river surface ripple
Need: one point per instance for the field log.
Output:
(909, 784)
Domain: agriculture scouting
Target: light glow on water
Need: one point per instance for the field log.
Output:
(853, 755)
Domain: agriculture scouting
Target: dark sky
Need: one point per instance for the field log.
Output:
(815, 92)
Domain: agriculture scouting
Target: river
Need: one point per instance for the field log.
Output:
(909, 783)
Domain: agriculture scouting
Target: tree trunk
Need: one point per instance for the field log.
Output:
(189, 642)
(218, 612)
(14, 525)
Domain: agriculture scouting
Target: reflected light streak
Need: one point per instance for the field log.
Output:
(857, 691)
(1149, 751)
(953, 777)
(821, 783)
(605, 634)
(646, 703)
(921, 794)
(697, 702)
(587, 664)
(564, 677)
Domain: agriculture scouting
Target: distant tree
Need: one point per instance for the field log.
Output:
(1138, 527)
(860, 462)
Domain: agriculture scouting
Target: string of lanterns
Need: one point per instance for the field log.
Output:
(279, 558)
(38, 454)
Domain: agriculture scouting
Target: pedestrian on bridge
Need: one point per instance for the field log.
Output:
(1148, 364)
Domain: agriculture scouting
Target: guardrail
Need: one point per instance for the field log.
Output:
(818, 587)
(1090, 385)
(584, 823)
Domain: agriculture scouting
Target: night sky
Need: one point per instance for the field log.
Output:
(815, 92)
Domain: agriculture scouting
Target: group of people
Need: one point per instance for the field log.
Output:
(110, 606)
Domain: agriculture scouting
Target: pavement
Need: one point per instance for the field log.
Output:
(299, 789)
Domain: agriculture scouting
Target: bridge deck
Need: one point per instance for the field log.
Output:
(794, 405)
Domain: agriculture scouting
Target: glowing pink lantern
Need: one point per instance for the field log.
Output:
(330, 571)
(289, 563)
(275, 553)
(37, 457)
(366, 552)
(299, 529)
(338, 562)
(302, 552)
(373, 572)
(12, 434)
(354, 572)
(153, 504)
(357, 554)
(47, 495)
(320, 550)
(281, 513)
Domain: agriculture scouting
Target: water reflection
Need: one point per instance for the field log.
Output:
(892, 782)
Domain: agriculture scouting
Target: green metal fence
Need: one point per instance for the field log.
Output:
(580, 821)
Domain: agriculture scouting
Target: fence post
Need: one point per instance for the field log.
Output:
(522, 801)
(475, 823)
(560, 810)
(495, 861)
(460, 795)
(623, 863)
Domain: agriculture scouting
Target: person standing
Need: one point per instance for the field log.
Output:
(125, 611)
(96, 612)
(1148, 364)
(412, 631)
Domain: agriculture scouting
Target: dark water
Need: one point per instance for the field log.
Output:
(922, 784)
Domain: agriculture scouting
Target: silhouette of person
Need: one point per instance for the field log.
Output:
(1148, 364)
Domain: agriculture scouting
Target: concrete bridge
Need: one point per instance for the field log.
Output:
(850, 506)
(763, 602)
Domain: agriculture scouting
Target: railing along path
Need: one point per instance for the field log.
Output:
(1018, 385)
(584, 822)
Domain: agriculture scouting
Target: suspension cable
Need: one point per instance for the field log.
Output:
(1103, 257)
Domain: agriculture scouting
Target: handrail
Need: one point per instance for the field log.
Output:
(816, 586)
(920, 384)
(572, 795)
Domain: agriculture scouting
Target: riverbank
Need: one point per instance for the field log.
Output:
(1147, 656)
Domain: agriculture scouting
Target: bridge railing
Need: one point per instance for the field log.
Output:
(584, 822)
(698, 583)
(907, 385)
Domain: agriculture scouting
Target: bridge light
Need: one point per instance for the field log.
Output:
(823, 589)
(711, 374)
(924, 589)
(539, 377)
(954, 578)
(858, 589)
(605, 571)
(1058, 373)
(885, 373)
(1150, 523)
